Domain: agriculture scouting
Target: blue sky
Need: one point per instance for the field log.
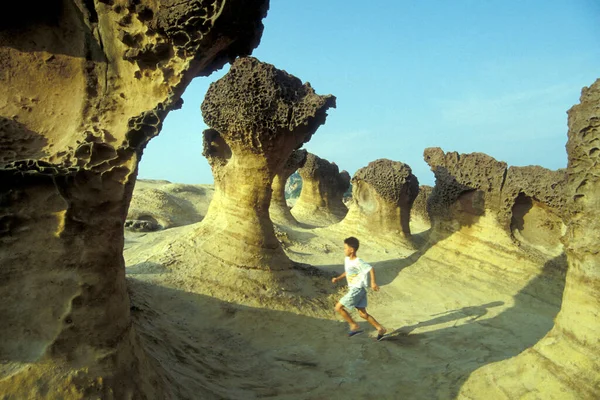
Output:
(468, 75)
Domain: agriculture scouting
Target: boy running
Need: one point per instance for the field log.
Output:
(356, 272)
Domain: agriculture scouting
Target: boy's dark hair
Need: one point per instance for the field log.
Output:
(352, 242)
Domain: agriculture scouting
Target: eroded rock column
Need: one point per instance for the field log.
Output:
(323, 187)
(85, 86)
(565, 363)
(258, 116)
(383, 193)
(279, 210)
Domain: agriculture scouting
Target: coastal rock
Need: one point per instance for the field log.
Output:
(383, 193)
(86, 85)
(323, 187)
(279, 210)
(258, 116)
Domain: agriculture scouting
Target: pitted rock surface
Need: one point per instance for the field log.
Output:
(255, 103)
(258, 115)
(85, 86)
(323, 187)
(483, 184)
(392, 180)
(574, 335)
(383, 194)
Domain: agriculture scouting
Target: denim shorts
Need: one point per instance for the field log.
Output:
(356, 297)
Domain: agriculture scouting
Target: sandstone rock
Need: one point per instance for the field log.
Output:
(565, 363)
(383, 194)
(419, 208)
(279, 210)
(259, 115)
(85, 86)
(323, 187)
(528, 202)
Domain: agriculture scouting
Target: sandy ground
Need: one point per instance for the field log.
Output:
(452, 305)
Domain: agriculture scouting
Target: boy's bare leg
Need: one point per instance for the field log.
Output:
(365, 315)
(340, 309)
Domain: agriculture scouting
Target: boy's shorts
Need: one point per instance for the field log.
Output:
(356, 297)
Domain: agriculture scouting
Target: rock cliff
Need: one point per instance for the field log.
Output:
(279, 210)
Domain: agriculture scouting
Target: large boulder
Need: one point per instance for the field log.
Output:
(383, 193)
(258, 116)
(86, 84)
(323, 187)
(565, 363)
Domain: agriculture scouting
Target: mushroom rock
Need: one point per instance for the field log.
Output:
(323, 187)
(526, 202)
(566, 362)
(85, 86)
(258, 116)
(279, 210)
(383, 193)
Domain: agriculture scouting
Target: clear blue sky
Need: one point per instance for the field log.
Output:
(468, 75)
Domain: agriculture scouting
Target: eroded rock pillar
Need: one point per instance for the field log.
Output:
(279, 210)
(323, 187)
(85, 86)
(258, 116)
(383, 193)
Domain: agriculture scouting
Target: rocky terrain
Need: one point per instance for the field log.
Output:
(116, 288)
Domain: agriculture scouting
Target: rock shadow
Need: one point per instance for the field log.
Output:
(479, 342)
(216, 349)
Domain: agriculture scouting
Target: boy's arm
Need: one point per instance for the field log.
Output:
(373, 283)
(337, 278)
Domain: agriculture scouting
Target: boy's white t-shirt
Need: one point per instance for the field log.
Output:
(357, 272)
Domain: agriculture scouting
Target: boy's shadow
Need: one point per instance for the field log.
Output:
(475, 312)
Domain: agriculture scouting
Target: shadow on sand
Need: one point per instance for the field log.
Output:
(214, 349)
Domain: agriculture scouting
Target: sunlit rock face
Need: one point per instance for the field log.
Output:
(323, 187)
(258, 116)
(527, 202)
(279, 210)
(85, 86)
(383, 193)
(565, 364)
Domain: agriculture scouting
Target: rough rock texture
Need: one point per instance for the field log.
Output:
(419, 207)
(323, 187)
(258, 116)
(528, 202)
(565, 363)
(85, 86)
(161, 205)
(383, 193)
(279, 210)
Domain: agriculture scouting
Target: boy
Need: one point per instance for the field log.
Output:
(356, 272)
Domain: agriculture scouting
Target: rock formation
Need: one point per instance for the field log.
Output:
(85, 86)
(161, 205)
(258, 116)
(565, 363)
(323, 187)
(419, 208)
(279, 210)
(383, 194)
(469, 186)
